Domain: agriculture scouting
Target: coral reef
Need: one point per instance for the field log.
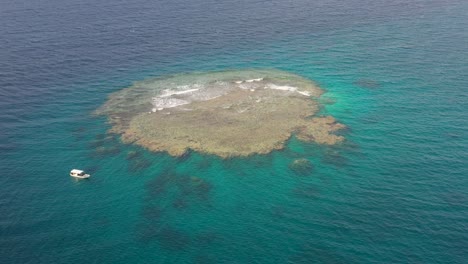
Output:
(231, 113)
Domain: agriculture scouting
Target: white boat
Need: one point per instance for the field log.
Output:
(79, 174)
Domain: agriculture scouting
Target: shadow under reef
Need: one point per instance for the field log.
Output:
(167, 236)
(104, 145)
(133, 154)
(184, 157)
(86, 127)
(204, 259)
(204, 164)
(101, 152)
(170, 195)
(102, 140)
(155, 227)
(337, 155)
(307, 191)
(137, 161)
(181, 190)
(242, 165)
(302, 154)
(137, 165)
(313, 253)
(335, 158)
(367, 83)
(79, 133)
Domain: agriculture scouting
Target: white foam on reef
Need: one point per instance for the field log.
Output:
(282, 87)
(243, 87)
(184, 89)
(254, 80)
(249, 80)
(221, 83)
(186, 94)
(182, 94)
(162, 103)
(304, 93)
(287, 88)
(250, 85)
(168, 92)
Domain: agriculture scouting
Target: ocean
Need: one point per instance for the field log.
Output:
(394, 72)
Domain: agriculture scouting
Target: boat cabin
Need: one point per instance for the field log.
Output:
(79, 174)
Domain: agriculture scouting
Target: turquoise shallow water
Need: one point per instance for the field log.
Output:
(395, 192)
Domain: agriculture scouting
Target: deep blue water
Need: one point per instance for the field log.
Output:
(395, 192)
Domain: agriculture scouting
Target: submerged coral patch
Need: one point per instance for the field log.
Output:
(367, 83)
(230, 113)
(302, 166)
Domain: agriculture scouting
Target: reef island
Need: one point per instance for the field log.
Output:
(229, 113)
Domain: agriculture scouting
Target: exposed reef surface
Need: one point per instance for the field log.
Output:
(229, 113)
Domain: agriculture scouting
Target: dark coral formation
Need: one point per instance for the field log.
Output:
(301, 166)
(181, 192)
(367, 83)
